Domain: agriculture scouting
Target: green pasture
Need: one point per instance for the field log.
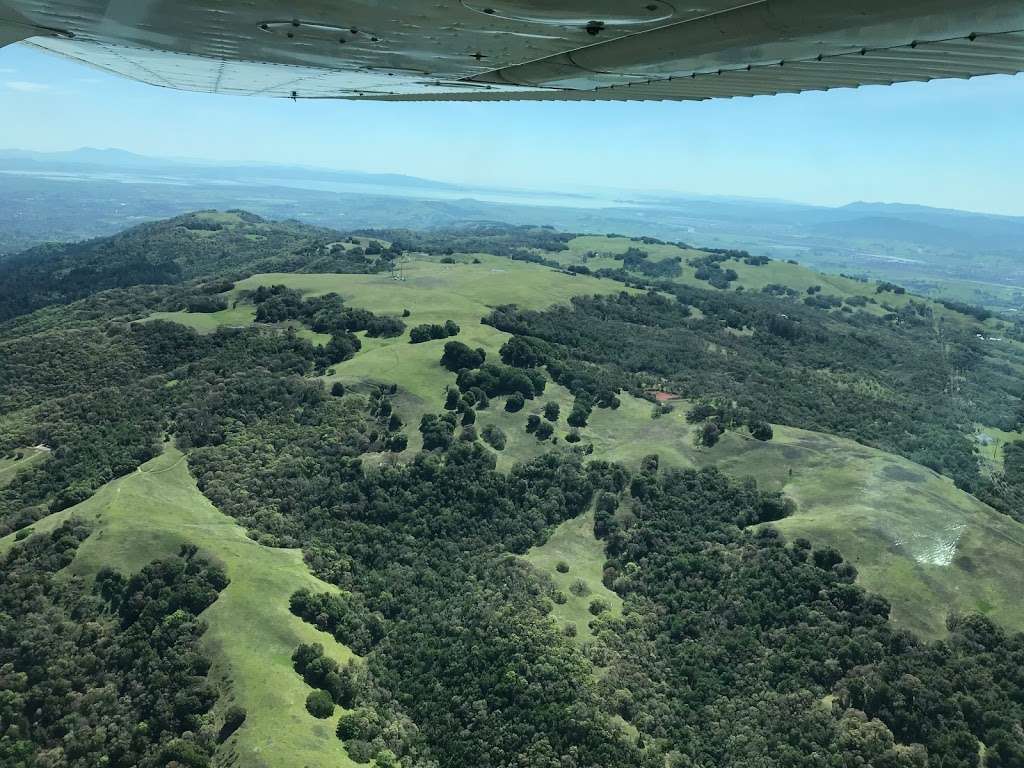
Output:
(150, 514)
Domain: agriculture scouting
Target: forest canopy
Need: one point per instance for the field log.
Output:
(705, 639)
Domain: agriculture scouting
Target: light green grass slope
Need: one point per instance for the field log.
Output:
(251, 635)
(992, 443)
(926, 546)
(750, 278)
(433, 293)
(573, 542)
(12, 466)
(242, 315)
(915, 538)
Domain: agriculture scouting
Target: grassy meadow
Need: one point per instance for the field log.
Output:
(915, 538)
(252, 634)
(433, 293)
(573, 543)
(926, 546)
(11, 466)
(750, 278)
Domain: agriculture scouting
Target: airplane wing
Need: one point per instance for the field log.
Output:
(544, 50)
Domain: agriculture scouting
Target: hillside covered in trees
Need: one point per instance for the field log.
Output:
(728, 645)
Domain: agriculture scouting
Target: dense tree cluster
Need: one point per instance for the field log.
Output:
(166, 252)
(777, 289)
(709, 269)
(520, 243)
(103, 400)
(457, 357)
(494, 436)
(438, 431)
(636, 260)
(328, 679)
(345, 617)
(433, 332)
(886, 287)
(724, 415)
(592, 384)
(751, 625)
(978, 313)
(1005, 490)
(881, 382)
(323, 314)
(204, 304)
(823, 301)
(733, 648)
(113, 677)
(495, 380)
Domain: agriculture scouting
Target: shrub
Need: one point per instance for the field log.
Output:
(579, 588)
(496, 379)
(701, 412)
(385, 327)
(552, 412)
(578, 418)
(516, 403)
(522, 353)
(562, 567)
(457, 356)
(342, 346)
(544, 430)
(432, 331)
(437, 431)
(494, 437)
(710, 434)
(207, 304)
(827, 557)
(598, 606)
(233, 719)
(320, 704)
(451, 399)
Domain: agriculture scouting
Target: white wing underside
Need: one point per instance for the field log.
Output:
(542, 50)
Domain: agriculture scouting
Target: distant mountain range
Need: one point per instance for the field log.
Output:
(118, 159)
(114, 189)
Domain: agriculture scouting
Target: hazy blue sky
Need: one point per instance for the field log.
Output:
(951, 144)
